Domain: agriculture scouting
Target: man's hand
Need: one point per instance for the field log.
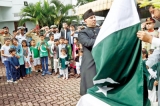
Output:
(1, 31)
(155, 83)
(142, 35)
(143, 25)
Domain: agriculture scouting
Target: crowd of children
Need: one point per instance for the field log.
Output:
(63, 57)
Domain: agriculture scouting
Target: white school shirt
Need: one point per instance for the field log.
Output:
(65, 33)
(60, 46)
(21, 38)
(74, 36)
(57, 35)
(6, 52)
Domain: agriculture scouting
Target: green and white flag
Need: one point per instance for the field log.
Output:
(117, 53)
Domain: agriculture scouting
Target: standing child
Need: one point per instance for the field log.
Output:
(43, 49)
(19, 55)
(56, 56)
(63, 61)
(5, 55)
(51, 47)
(35, 55)
(27, 57)
(15, 66)
(144, 54)
(69, 49)
(60, 47)
(75, 48)
(78, 63)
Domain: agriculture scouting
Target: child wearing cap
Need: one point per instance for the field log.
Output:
(150, 24)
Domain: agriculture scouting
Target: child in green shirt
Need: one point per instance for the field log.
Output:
(35, 55)
(69, 49)
(43, 50)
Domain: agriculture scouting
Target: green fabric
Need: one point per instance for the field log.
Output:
(43, 49)
(62, 61)
(28, 70)
(49, 46)
(69, 51)
(52, 62)
(155, 67)
(35, 51)
(118, 56)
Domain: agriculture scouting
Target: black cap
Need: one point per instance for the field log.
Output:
(87, 14)
(42, 32)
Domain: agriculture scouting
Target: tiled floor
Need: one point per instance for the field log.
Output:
(39, 91)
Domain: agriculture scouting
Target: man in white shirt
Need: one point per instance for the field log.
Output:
(142, 35)
(21, 36)
(57, 35)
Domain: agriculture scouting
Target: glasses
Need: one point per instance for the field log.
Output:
(148, 23)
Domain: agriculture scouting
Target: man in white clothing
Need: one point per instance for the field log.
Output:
(142, 35)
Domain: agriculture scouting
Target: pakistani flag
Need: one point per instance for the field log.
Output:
(117, 53)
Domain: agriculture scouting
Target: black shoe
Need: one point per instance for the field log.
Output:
(39, 71)
(52, 71)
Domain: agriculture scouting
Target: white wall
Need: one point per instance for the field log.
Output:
(7, 3)
(30, 25)
(7, 17)
(10, 25)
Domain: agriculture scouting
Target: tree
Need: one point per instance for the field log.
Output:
(82, 2)
(61, 12)
(44, 13)
(155, 3)
(32, 13)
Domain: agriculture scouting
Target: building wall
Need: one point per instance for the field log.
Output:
(9, 10)
(10, 25)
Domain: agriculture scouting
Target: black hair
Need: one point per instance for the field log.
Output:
(73, 26)
(67, 39)
(14, 39)
(151, 51)
(5, 27)
(55, 40)
(63, 49)
(14, 30)
(51, 34)
(5, 39)
(31, 41)
(12, 50)
(76, 38)
(61, 37)
(24, 41)
(144, 51)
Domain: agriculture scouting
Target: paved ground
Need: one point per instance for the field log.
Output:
(39, 91)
